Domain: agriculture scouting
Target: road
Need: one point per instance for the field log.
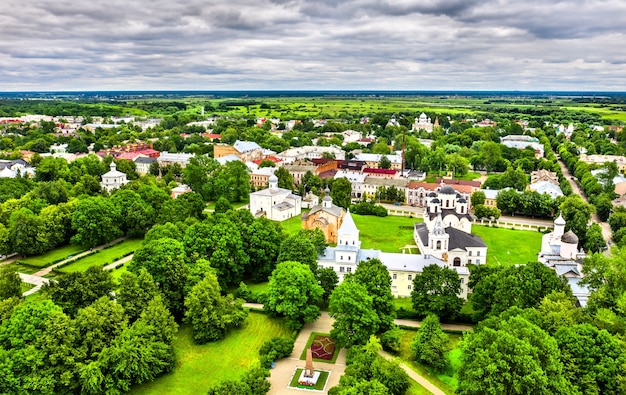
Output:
(606, 229)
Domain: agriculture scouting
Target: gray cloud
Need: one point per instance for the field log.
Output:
(317, 44)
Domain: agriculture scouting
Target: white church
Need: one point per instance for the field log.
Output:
(345, 257)
(113, 179)
(277, 204)
(446, 232)
(423, 122)
(559, 251)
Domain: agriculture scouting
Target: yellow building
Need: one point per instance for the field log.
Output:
(326, 216)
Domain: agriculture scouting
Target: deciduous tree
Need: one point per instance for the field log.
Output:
(436, 290)
(353, 310)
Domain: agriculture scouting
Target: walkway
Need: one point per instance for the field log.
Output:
(37, 281)
(606, 229)
(47, 270)
(112, 265)
(283, 371)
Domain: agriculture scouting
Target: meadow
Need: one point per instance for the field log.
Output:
(52, 256)
(509, 246)
(200, 366)
(104, 257)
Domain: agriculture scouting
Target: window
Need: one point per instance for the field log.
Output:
(470, 252)
(477, 253)
(408, 287)
(349, 269)
(457, 261)
(410, 277)
(341, 269)
(349, 258)
(462, 280)
(438, 244)
(341, 258)
(478, 261)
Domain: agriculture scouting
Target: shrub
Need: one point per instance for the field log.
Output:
(275, 348)
(365, 208)
(392, 340)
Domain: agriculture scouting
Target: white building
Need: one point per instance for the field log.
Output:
(520, 142)
(167, 158)
(311, 152)
(402, 268)
(546, 187)
(559, 251)
(142, 164)
(373, 160)
(423, 123)
(113, 179)
(15, 168)
(446, 232)
(275, 203)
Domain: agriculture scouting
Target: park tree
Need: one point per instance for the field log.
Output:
(510, 356)
(514, 178)
(98, 324)
(576, 214)
(232, 181)
(10, 283)
(604, 206)
(341, 192)
(592, 359)
(594, 239)
(262, 243)
(430, 344)
(294, 293)
(222, 205)
(135, 291)
(218, 240)
(316, 237)
(327, 279)
(384, 162)
(436, 290)
(5, 246)
(154, 196)
(166, 230)
(210, 313)
(27, 233)
(198, 173)
(353, 310)
(285, 179)
(57, 220)
(77, 290)
(457, 164)
(374, 276)
(137, 216)
(477, 198)
(558, 310)
(164, 259)
(299, 249)
(185, 206)
(494, 290)
(96, 221)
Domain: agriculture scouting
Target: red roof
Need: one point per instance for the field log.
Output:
(475, 184)
(11, 121)
(128, 155)
(379, 171)
(211, 135)
(269, 157)
(321, 161)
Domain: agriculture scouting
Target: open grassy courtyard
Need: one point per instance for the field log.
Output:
(104, 257)
(509, 246)
(52, 256)
(200, 366)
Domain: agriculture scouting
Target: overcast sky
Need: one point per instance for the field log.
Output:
(322, 44)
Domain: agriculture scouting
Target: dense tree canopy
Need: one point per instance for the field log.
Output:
(436, 290)
(353, 310)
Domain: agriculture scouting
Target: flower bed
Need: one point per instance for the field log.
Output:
(323, 347)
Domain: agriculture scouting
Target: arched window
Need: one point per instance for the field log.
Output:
(457, 261)
(438, 244)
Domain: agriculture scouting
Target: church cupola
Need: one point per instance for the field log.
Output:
(273, 182)
(327, 201)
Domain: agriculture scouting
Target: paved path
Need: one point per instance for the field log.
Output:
(606, 229)
(282, 373)
(37, 281)
(48, 269)
(112, 266)
(421, 380)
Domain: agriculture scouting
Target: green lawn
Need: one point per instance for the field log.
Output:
(509, 246)
(27, 269)
(416, 389)
(258, 288)
(55, 255)
(104, 257)
(447, 381)
(388, 234)
(200, 366)
(405, 303)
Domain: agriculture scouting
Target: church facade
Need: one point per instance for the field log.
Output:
(327, 217)
(277, 204)
(446, 232)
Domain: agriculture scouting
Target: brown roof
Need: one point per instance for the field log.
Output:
(475, 184)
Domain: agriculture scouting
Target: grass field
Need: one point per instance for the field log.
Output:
(508, 246)
(200, 366)
(55, 255)
(104, 257)
(388, 234)
(27, 269)
(447, 381)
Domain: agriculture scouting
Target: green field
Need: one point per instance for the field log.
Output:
(388, 234)
(55, 255)
(508, 246)
(200, 366)
(27, 269)
(104, 257)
